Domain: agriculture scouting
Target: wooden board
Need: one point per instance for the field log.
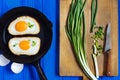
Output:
(107, 13)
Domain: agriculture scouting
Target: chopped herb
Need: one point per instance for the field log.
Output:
(33, 43)
(99, 47)
(30, 25)
(15, 45)
(98, 36)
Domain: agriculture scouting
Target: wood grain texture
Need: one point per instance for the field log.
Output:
(107, 13)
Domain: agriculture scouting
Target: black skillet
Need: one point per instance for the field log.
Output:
(45, 36)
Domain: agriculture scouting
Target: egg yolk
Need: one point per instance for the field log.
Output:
(21, 26)
(24, 45)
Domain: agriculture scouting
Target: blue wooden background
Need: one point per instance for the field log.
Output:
(50, 62)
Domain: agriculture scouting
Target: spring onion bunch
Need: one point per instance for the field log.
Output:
(75, 29)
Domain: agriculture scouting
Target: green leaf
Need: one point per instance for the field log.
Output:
(15, 45)
(33, 43)
(30, 25)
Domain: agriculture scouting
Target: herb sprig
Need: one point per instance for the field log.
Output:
(33, 43)
(97, 37)
(30, 25)
(14, 45)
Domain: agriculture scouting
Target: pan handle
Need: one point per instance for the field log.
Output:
(40, 70)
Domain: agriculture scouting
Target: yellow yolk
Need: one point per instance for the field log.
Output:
(21, 26)
(24, 45)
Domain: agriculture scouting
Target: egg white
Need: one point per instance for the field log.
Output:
(34, 30)
(18, 51)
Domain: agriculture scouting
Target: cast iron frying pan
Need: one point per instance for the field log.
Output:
(45, 36)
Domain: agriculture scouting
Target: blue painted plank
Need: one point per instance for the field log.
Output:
(49, 9)
(29, 71)
(51, 60)
(1, 2)
(9, 75)
(28, 3)
(33, 3)
(39, 5)
(9, 4)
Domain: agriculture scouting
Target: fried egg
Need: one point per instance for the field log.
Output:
(24, 25)
(24, 45)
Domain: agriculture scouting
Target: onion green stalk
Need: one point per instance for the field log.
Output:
(95, 60)
(94, 8)
(96, 65)
(75, 30)
(97, 48)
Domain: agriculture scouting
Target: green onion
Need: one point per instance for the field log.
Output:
(94, 8)
(97, 48)
(97, 35)
(75, 30)
(15, 45)
(30, 25)
(33, 43)
(96, 65)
